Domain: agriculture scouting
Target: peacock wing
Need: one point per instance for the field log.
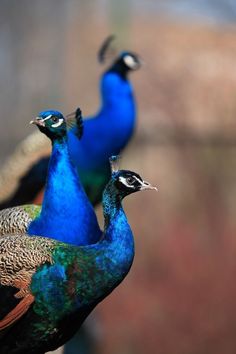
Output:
(15, 220)
(20, 256)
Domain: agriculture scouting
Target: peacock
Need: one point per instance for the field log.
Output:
(48, 288)
(105, 134)
(65, 205)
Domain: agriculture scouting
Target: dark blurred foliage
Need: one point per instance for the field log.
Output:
(180, 296)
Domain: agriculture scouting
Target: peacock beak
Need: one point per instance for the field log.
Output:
(146, 185)
(38, 121)
(138, 64)
(141, 62)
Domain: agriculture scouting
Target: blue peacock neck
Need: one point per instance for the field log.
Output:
(109, 131)
(118, 110)
(95, 270)
(111, 206)
(118, 237)
(66, 213)
(113, 255)
(114, 88)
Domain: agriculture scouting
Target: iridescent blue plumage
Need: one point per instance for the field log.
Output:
(66, 213)
(108, 132)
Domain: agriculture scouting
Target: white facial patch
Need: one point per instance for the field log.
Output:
(55, 125)
(48, 117)
(143, 185)
(137, 179)
(125, 183)
(130, 62)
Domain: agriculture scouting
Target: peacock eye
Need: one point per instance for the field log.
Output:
(130, 180)
(55, 119)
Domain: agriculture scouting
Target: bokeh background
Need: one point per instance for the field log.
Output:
(180, 296)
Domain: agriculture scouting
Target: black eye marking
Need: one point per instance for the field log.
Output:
(130, 180)
(55, 119)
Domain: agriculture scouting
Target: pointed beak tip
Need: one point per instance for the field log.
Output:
(147, 186)
(153, 188)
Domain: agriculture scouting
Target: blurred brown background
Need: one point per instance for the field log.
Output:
(180, 296)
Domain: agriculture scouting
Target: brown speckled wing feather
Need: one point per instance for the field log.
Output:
(16, 219)
(20, 255)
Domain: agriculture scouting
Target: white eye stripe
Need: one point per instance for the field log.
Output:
(125, 183)
(123, 180)
(137, 179)
(48, 117)
(55, 125)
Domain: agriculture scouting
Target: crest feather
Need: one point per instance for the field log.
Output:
(75, 119)
(105, 50)
(114, 162)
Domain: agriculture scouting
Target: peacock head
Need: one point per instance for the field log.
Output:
(126, 182)
(55, 125)
(51, 123)
(123, 62)
(129, 60)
